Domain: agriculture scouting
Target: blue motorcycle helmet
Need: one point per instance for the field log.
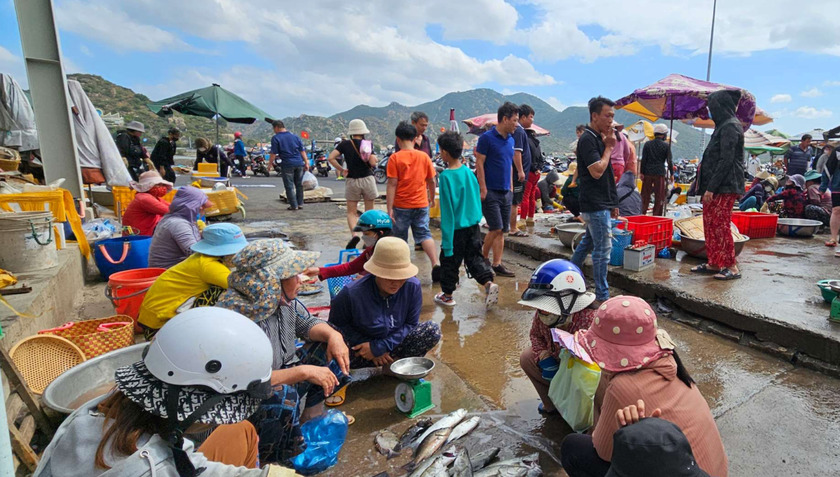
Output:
(557, 288)
(373, 220)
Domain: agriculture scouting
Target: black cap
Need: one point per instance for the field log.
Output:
(652, 448)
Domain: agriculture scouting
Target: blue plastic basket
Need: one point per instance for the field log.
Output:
(621, 239)
(335, 284)
(346, 255)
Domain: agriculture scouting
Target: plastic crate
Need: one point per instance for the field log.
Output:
(756, 225)
(657, 231)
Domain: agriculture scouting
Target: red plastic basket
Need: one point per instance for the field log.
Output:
(658, 231)
(756, 225)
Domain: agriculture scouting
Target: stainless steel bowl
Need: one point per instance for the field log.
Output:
(90, 379)
(568, 232)
(697, 248)
(412, 368)
(797, 227)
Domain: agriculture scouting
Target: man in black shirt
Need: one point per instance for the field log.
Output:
(132, 151)
(163, 155)
(654, 175)
(597, 192)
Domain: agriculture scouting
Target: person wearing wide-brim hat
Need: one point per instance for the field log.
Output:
(264, 286)
(818, 205)
(132, 151)
(148, 207)
(379, 314)
(197, 281)
(638, 361)
(360, 183)
(207, 367)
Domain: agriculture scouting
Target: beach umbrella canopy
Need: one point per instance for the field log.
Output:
(762, 149)
(479, 124)
(681, 97)
(761, 118)
(754, 138)
(639, 131)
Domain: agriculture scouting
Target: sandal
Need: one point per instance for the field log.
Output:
(337, 398)
(541, 410)
(704, 268)
(726, 274)
(518, 233)
(831, 243)
(350, 419)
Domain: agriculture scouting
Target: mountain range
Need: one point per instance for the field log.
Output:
(111, 98)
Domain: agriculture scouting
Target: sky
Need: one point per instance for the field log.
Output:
(326, 56)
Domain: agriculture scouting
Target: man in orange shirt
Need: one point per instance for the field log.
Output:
(410, 193)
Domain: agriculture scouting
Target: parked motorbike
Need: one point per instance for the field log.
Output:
(259, 165)
(322, 166)
(380, 172)
(686, 171)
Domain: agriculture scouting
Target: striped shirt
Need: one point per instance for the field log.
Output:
(282, 327)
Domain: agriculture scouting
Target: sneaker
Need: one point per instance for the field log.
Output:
(492, 296)
(353, 242)
(501, 271)
(436, 274)
(444, 300)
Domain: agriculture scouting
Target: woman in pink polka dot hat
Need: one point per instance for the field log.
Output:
(638, 363)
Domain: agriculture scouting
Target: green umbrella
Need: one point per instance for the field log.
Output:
(212, 102)
(763, 149)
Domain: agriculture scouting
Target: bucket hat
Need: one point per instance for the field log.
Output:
(135, 126)
(255, 288)
(219, 240)
(798, 180)
(356, 127)
(391, 260)
(148, 180)
(660, 129)
(624, 335)
(653, 447)
(763, 175)
(773, 182)
(812, 176)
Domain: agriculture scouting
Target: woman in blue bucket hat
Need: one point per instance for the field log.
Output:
(197, 281)
(264, 287)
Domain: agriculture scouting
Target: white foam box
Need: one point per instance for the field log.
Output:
(639, 259)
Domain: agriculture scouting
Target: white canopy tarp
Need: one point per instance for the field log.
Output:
(94, 142)
(17, 120)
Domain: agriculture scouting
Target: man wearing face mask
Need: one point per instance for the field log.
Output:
(212, 153)
(558, 293)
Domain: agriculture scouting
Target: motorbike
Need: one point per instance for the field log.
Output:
(686, 171)
(380, 172)
(259, 164)
(322, 166)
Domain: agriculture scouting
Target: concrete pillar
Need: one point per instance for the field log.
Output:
(50, 98)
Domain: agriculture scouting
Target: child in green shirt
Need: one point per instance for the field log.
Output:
(460, 214)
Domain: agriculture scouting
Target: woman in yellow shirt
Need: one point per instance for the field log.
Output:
(197, 281)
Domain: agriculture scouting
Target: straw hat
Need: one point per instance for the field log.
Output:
(763, 175)
(357, 127)
(773, 182)
(391, 260)
(148, 180)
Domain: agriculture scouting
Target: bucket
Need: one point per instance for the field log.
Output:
(122, 253)
(28, 242)
(127, 289)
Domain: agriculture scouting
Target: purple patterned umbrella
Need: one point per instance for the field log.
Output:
(681, 97)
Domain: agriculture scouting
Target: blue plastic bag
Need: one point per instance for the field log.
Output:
(324, 437)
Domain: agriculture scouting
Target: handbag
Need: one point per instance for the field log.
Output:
(572, 390)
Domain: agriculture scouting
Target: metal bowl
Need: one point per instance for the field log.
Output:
(697, 248)
(412, 368)
(90, 379)
(797, 227)
(568, 232)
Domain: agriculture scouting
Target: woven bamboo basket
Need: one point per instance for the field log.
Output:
(99, 336)
(42, 358)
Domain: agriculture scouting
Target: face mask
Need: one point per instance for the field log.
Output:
(550, 319)
(202, 149)
(158, 191)
(369, 241)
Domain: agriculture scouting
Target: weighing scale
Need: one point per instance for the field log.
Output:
(413, 396)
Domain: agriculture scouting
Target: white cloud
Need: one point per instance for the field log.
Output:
(555, 103)
(781, 98)
(811, 93)
(831, 83)
(807, 112)
(13, 65)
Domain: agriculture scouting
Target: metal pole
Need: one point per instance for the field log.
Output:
(709, 62)
(7, 468)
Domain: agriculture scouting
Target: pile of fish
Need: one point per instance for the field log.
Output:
(427, 439)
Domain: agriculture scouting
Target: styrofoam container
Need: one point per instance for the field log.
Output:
(639, 259)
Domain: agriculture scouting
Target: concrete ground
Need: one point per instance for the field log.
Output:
(775, 418)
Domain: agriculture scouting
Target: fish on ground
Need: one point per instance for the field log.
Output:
(461, 467)
(529, 460)
(430, 445)
(445, 458)
(483, 458)
(508, 468)
(502, 471)
(413, 432)
(446, 422)
(465, 427)
(386, 443)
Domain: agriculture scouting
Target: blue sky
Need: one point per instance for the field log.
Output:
(332, 55)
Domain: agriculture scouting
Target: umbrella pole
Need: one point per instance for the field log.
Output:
(219, 165)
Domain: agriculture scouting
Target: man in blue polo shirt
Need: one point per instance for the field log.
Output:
(797, 158)
(293, 162)
(493, 168)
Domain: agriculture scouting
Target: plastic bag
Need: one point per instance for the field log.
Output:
(572, 390)
(366, 149)
(310, 182)
(99, 229)
(324, 437)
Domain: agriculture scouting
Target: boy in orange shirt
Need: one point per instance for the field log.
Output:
(410, 193)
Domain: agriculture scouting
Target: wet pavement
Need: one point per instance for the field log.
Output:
(775, 419)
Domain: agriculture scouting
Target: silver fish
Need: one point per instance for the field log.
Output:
(413, 432)
(529, 460)
(480, 460)
(444, 459)
(429, 446)
(446, 422)
(386, 443)
(462, 466)
(465, 427)
(502, 471)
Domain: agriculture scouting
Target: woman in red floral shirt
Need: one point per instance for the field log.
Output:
(793, 197)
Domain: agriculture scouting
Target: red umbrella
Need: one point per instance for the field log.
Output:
(479, 124)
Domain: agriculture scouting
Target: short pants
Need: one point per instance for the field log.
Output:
(363, 188)
(417, 219)
(518, 190)
(496, 209)
(835, 199)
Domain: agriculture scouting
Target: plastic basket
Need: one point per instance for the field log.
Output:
(99, 336)
(621, 239)
(348, 254)
(756, 225)
(335, 284)
(124, 195)
(658, 231)
(42, 358)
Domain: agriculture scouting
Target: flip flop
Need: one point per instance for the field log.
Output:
(726, 274)
(831, 243)
(350, 419)
(704, 268)
(518, 233)
(338, 398)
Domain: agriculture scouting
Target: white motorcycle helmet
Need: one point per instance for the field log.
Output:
(557, 287)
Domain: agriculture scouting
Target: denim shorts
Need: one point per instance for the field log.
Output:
(496, 209)
(417, 219)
